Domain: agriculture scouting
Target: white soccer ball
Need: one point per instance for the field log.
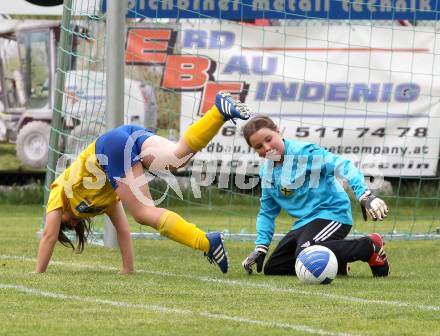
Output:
(316, 264)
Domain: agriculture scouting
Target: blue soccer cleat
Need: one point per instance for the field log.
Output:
(217, 253)
(231, 108)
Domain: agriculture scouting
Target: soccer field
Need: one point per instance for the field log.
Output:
(175, 291)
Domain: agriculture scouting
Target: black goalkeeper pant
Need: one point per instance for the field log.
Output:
(324, 232)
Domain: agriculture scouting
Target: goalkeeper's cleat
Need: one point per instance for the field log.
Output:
(231, 108)
(380, 267)
(343, 270)
(217, 253)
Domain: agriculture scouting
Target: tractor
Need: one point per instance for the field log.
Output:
(27, 86)
(27, 67)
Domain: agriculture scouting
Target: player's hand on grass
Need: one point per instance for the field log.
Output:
(256, 257)
(373, 206)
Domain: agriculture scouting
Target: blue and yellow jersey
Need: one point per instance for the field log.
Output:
(82, 189)
(87, 187)
(306, 186)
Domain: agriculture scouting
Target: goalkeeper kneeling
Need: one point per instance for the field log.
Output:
(300, 178)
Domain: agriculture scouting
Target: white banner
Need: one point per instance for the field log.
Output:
(23, 7)
(46, 7)
(370, 94)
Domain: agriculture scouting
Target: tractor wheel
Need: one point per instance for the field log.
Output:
(33, 144)
(80, 137)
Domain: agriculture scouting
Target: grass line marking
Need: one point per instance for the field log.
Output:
(161, 309)
(245, 284)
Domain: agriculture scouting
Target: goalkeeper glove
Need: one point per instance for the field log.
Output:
(256, 257)
(373, 206)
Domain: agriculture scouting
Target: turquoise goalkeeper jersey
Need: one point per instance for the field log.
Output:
(306, 186)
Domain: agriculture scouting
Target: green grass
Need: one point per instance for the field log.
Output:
(176, 292)
(8, 158)
(32, 193)
(9, 161)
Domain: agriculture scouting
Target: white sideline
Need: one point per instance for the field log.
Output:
(399, 304)
(161, 309)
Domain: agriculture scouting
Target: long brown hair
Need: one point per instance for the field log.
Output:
(82, 229)
(255, 124)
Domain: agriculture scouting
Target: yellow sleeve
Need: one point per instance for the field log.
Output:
(56, 198)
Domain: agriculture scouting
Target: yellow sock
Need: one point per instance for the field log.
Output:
(199, 134)
(173, 226)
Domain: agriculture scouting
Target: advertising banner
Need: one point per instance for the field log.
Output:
(43, 7)
(23, 7)
(367, 93)
(285, 9)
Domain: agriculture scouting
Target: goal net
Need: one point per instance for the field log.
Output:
(360, 78)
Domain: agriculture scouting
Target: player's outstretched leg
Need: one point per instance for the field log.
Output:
(379, 264)
(231, 108)
(199, 134)
(176, 228)
(217, 253)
